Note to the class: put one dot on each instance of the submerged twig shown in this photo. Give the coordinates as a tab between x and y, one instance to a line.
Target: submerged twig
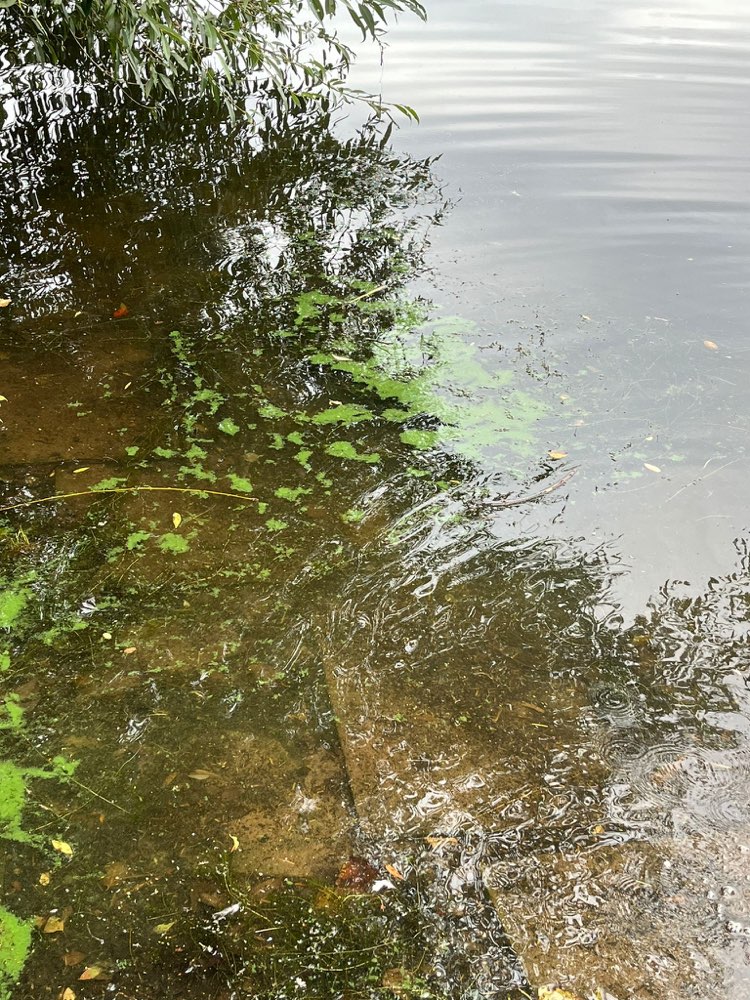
195	491
535	496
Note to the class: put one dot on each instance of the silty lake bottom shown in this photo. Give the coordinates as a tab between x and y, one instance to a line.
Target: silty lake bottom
390	636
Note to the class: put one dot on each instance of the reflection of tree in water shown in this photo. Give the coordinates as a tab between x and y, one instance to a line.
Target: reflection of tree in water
109	203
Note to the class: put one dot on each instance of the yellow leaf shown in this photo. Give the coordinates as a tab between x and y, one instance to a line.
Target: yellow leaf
235	844
163	928
4	303
556	455
54	925
91	972
44	878
63	847
650	467
128	650
67	994
3	399
440	841
176	519
84	468
710	345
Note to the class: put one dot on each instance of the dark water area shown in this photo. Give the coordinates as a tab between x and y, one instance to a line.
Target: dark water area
388	634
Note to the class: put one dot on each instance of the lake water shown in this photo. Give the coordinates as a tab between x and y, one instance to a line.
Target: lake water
374	564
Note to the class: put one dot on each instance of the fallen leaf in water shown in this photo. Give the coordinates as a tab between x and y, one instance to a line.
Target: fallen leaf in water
531	706
128	650
392	870
163	928
436	842
53	925
587	318
73	957
62	847
598	829
44	878
121	312
93	972
357	875
199	774
650	467
4	303
67	994
114	873
176	519
555	993
710	345
235	843
169	780
84	468
557	455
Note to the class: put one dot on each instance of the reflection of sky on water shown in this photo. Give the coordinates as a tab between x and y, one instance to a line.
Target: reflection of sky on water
602	154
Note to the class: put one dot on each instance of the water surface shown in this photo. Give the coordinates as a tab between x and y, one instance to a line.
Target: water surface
403	539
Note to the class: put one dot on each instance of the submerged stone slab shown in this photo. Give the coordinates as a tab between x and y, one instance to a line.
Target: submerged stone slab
476	740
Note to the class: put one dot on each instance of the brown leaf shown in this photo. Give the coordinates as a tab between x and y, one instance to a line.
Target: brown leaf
199	774
440	841
73	958
114	873
710	345
129	650
357	875
392	870
53	925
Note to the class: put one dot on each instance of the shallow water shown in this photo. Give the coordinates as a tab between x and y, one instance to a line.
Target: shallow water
332	598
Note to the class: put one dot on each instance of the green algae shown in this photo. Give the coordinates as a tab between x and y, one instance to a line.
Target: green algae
353	516
239	484
173	543
136	539
420	439
345	449
15	944
436	372
292	495
346	414
14	597
228	426
274	524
